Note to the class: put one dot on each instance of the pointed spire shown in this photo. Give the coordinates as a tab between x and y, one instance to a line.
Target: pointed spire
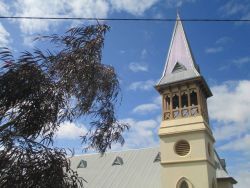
179	56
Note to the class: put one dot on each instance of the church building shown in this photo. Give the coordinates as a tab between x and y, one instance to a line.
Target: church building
186	157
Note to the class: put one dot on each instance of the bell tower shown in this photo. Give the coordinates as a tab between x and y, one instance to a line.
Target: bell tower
186	139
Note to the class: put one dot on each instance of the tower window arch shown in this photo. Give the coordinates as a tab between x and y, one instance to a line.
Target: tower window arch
184	184
193	98
184	100
167	102
175	101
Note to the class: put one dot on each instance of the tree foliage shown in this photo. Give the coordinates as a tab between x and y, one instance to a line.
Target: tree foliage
39	91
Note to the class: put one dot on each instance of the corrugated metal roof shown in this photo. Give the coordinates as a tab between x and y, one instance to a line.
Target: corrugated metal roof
137	171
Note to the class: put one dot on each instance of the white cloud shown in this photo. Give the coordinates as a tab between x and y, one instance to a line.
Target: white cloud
214	50
240	9
243	179
70	131
37	8
241	144
73	8
233	7
231	101
223	40
229	108
4	9
144	53
136	7
4	36
141	134
28	40
146	108
158	100
56	8
137	67
178	3
122	51
241	61
142	85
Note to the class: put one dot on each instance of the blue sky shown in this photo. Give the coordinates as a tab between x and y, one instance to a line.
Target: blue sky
138	52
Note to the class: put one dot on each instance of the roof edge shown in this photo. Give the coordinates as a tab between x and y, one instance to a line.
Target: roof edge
231	179
197	78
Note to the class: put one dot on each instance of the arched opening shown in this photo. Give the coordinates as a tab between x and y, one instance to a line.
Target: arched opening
193	98
184	184
184	100
175	101
167	102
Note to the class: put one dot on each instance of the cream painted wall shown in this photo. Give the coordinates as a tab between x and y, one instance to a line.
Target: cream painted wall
195	172
197	166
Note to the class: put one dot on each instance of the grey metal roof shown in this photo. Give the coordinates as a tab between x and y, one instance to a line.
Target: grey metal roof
179	53
176	77
138	170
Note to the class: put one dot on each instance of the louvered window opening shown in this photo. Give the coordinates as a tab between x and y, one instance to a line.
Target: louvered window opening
117	161
82	164
182	148
158	157
178	68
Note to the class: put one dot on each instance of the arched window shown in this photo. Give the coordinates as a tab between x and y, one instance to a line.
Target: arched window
193	98
184	100
167	102
184	184
175	101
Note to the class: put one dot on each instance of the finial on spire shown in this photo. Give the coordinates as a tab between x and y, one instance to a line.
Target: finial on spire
177	14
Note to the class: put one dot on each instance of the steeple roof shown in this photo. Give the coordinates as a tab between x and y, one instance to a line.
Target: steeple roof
180	64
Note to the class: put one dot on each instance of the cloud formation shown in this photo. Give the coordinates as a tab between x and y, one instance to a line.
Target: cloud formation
230	102
242	60
142	85
178	3
65	8
146	108
135	7
56	8
70	131
138	67
241	144
223	40
229	112
4	9
141	134
4	36
214	50
234	7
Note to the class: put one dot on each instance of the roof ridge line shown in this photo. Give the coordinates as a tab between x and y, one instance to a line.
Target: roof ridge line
116	151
